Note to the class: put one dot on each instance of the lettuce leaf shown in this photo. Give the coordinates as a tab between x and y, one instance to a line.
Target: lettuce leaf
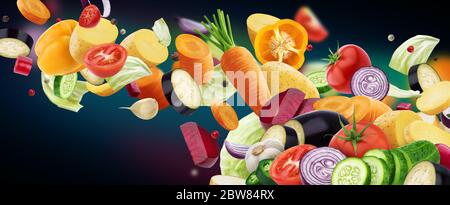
134	69
162	32
396	92
214	91
402	60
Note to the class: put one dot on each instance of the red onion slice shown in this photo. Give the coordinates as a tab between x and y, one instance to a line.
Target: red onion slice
85	3
317	165
371	82
235	150
190	26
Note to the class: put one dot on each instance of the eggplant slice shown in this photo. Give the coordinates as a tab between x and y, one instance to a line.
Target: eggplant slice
428	173
288	136
14	43
181	91
422	76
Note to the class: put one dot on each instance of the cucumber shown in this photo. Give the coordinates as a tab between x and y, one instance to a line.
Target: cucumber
319	79
63	86
351	171
419	151
252	179
262	172
386	156
379	171
401	167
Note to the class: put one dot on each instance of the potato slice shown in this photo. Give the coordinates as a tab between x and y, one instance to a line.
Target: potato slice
256	22
144	44
393	125
435	99
421	130
55	59
85	38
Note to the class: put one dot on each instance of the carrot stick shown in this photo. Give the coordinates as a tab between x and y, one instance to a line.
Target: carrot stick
225	115
151	87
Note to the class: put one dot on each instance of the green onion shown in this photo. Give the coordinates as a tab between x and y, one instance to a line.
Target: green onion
221	34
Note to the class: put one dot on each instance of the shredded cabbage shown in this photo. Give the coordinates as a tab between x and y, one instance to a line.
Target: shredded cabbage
214	91
134	69
72	103
248	133
162	32
396	92
402	60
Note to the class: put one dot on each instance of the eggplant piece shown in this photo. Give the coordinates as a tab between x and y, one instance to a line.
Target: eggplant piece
422	76
288	136
181	91
319	127
428	173
15	43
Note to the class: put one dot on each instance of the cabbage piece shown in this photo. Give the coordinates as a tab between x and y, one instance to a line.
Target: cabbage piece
248	133
396	92
134	69
162	32
72	103
215	91
402	60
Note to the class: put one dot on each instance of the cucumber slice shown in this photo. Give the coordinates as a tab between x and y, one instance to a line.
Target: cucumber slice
386	156
401	167
262	172
379	171
65	85
319	79
419	151
252	179
351	171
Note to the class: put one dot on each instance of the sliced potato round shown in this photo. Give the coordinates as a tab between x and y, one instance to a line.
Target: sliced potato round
144	44
256	22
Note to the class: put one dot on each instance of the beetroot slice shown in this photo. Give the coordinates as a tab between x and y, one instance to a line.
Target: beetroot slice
23	65
307	106
133	90
204	149
404	106
282	107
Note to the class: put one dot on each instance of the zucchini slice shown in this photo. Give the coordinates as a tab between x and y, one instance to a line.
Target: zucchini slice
14	43
422	76
181	91
428	173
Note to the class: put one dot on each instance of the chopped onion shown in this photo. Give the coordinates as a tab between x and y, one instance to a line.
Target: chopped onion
190	26
317	165
235	150
85	3
145	109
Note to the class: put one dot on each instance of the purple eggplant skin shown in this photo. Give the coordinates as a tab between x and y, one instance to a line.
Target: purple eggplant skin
171	96
17	34
442	175
320	126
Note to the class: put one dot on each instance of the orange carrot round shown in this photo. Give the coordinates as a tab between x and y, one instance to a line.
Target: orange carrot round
362	107
225	115
34	11
339	104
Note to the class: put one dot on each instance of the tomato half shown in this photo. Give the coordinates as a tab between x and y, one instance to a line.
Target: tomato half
105	60
90	16
285	168
343	64
316	31
372	138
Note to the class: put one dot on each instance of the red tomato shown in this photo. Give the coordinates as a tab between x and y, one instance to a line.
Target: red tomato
344	64
89	17
105	60
372	138
316	31
285	168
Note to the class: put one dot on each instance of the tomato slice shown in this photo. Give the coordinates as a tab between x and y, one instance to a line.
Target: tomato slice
105	60
285	169
90	16
316	31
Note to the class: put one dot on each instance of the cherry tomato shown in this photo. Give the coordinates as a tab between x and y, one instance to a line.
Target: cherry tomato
285	168
372	138
105	60
90	16
343	64
316	31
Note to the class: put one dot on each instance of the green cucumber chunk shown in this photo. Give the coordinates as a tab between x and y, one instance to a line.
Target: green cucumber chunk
401	167
386	156
319	79
262	172
65	85
252	179
419	151
351	171
379	171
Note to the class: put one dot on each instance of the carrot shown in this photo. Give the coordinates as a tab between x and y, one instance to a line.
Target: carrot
34	11
176	65
151	87
379	108
225	115
193	52
362	107
238	63
339	104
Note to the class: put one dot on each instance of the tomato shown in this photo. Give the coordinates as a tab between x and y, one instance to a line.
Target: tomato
316	31
343	64
285	168
105	60
90	16
372	138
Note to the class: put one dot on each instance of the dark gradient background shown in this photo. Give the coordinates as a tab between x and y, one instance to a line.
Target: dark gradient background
41	144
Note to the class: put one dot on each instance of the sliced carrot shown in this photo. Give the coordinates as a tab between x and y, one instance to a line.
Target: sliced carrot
382	108
251	85
362	107
225	115
194	52
151	87
34	10
340	104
